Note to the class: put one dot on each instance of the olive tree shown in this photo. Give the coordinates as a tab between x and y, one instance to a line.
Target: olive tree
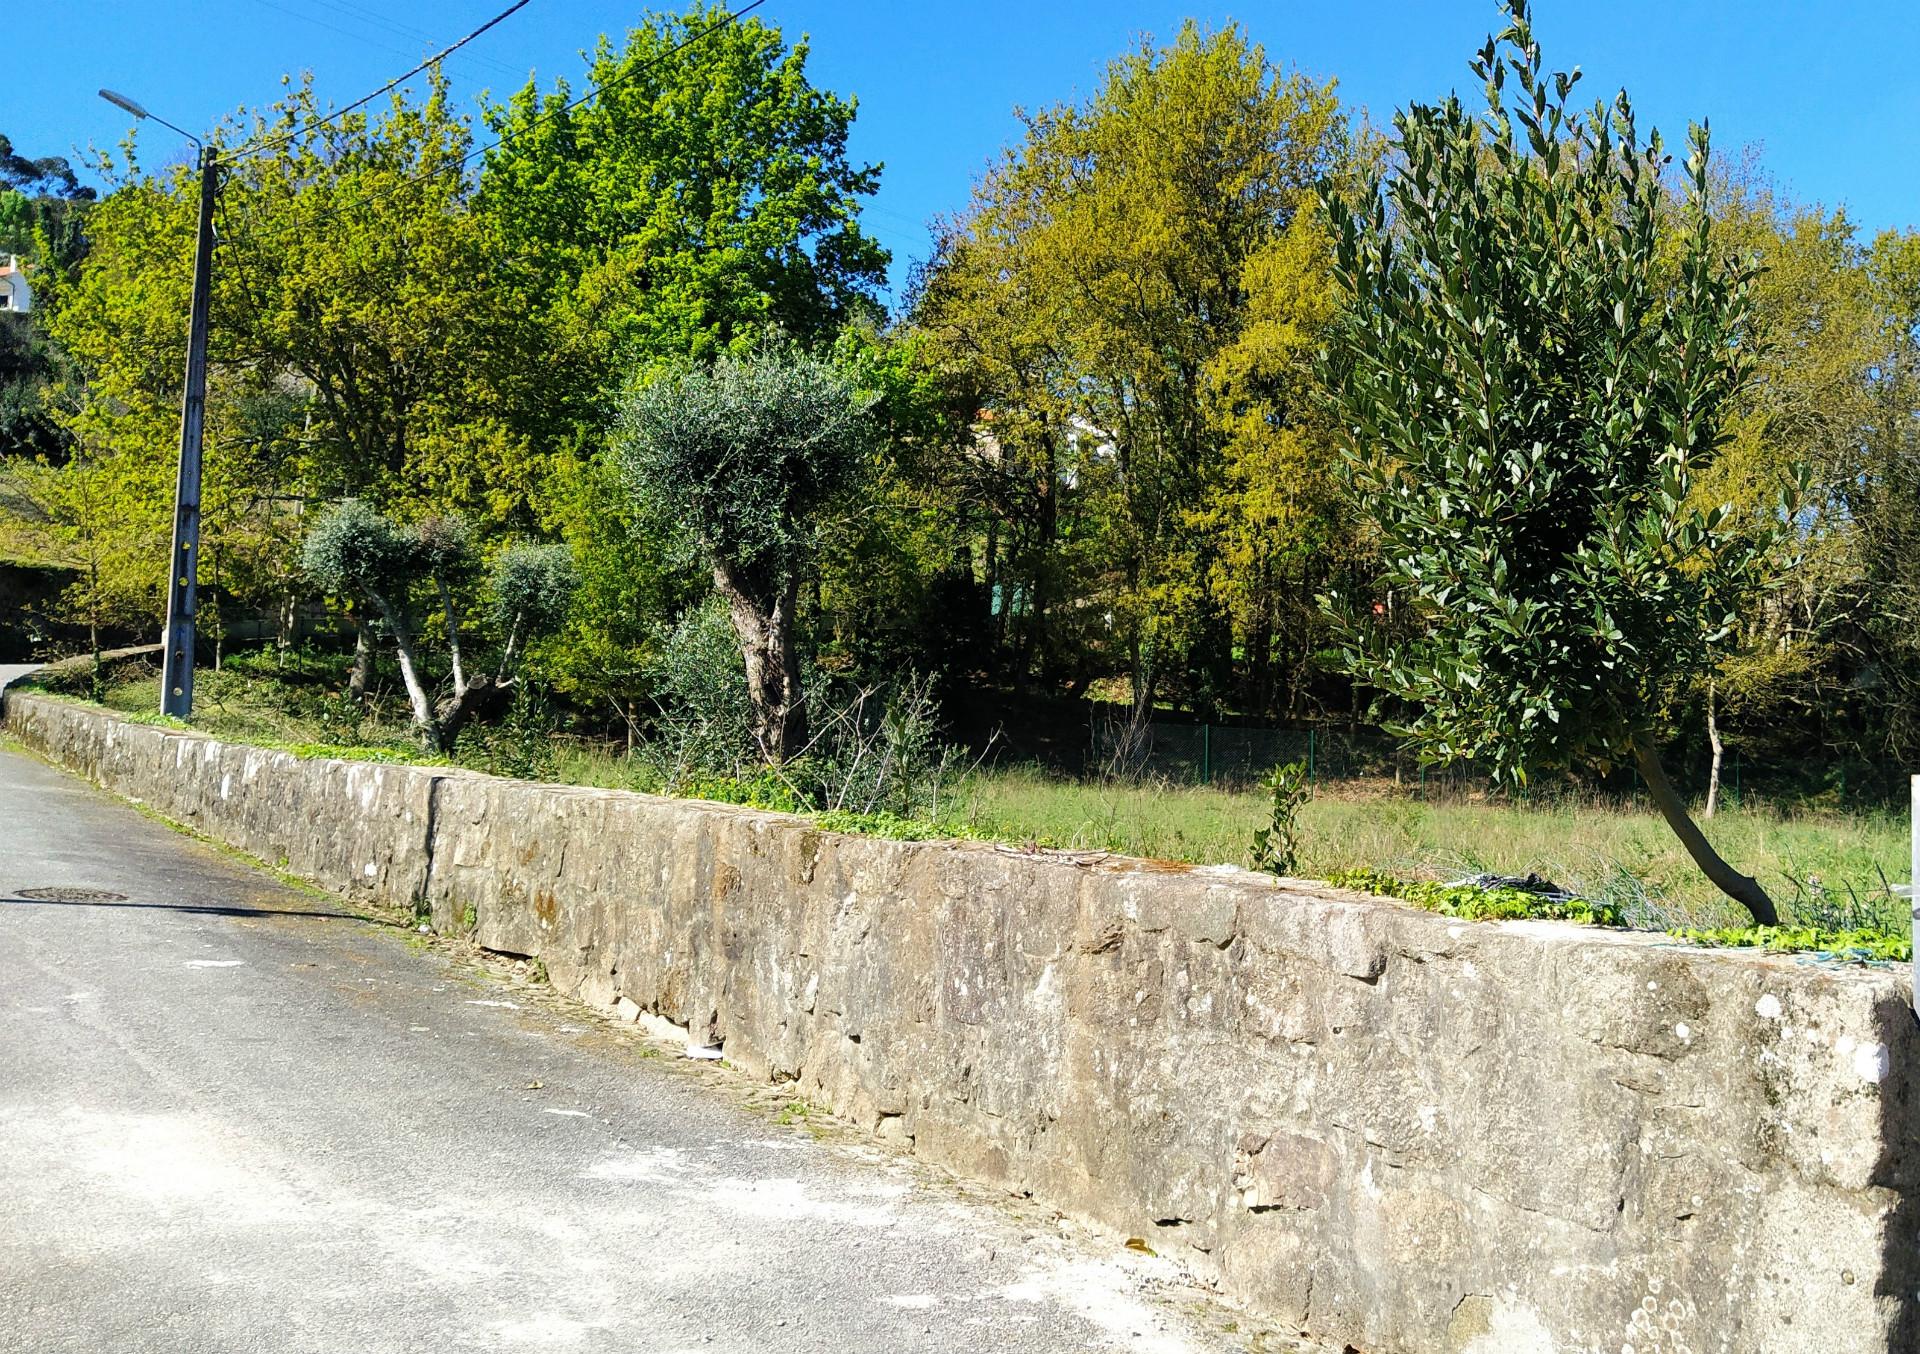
360	552
748	457
1536	368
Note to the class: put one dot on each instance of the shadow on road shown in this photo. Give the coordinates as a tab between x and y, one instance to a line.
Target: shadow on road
205	910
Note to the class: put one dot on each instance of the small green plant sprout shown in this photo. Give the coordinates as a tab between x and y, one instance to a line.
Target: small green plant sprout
1276	847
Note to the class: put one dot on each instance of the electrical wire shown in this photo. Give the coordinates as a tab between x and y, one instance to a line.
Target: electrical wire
620	79
380	43
298	132
354	13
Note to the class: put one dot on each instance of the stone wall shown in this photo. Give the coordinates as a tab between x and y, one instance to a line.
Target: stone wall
1383	1127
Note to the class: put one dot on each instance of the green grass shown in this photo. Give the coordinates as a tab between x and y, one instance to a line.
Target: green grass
1826	870
246	701
1621	857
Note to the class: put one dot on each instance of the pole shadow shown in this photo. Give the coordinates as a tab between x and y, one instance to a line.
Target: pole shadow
196	909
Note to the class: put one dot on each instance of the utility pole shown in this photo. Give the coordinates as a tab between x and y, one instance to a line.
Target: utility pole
183	565
176	671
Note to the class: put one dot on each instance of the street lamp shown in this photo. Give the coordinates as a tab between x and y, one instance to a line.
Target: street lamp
176	668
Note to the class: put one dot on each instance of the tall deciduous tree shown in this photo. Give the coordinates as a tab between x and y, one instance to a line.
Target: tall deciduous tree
1790	670
1888	490
748	457
701	196
42	208
1094	290
356	272
366	338
1530	393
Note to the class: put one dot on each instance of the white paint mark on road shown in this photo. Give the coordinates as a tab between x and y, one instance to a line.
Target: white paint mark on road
546	1328
215	963
509	1005
571	1114
654	1166
168	1161
788	1200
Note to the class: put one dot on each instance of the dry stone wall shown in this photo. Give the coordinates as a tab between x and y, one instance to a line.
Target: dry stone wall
1386	1128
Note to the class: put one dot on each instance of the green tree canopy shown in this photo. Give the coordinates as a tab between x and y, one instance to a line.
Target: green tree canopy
1092	294
356	271
1530	392
700	197
358	551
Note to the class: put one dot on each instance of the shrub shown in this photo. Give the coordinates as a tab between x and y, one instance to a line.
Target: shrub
1276	847
1474	903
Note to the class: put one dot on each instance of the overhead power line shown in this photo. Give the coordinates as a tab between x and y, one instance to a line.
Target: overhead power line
622	78
275	143
353	13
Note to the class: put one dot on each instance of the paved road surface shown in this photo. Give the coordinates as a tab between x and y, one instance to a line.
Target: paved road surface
233	1119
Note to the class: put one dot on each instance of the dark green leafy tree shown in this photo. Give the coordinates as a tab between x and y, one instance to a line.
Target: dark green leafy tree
1885	498
750	457
357	551
42	206
1533	379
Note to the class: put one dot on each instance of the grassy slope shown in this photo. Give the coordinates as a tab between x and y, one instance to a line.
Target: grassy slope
1622	856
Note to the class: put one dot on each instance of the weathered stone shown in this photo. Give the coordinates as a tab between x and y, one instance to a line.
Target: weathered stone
359	827
1391	1129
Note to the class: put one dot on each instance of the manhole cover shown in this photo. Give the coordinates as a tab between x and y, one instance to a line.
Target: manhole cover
58	895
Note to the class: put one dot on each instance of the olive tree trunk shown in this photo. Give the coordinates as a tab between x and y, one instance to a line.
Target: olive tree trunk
764	626
425	724
1743	889
362	674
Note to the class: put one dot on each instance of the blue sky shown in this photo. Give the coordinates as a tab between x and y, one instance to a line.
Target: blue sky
1830	93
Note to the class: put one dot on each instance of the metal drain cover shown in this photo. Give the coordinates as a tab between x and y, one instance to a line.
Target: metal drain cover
60	895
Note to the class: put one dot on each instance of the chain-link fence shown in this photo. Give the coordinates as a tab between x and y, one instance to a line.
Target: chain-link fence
1234	756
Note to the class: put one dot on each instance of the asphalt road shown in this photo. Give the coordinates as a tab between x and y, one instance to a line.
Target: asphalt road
233	1118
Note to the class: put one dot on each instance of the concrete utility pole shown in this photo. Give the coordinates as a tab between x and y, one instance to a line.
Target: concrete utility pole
176	674
183	571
